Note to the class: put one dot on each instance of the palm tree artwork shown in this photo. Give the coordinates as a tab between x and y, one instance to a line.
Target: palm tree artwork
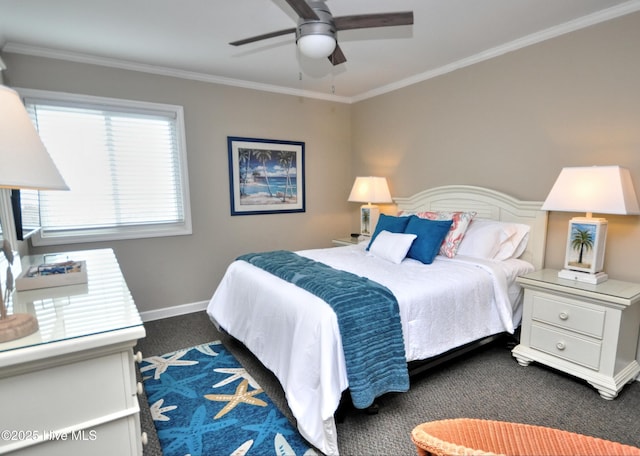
244	157
267	176
263	157
366	219
287	160
582	241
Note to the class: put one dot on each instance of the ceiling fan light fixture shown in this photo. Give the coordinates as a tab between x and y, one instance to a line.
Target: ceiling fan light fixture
317	46
317	30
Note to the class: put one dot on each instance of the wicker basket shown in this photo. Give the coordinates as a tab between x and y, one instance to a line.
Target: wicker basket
475	437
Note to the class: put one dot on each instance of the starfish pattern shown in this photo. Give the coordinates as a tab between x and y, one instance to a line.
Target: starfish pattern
243	449
223	358
240	396
184	416
282	447
207	349
168	384
236	373
161	364
157	410
192	435
270	424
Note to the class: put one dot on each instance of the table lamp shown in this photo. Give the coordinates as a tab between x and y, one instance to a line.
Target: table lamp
369	190
24	163
590	189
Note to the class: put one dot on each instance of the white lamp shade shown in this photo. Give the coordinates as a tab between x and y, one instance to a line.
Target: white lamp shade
24	161
370	190
316	46
593	189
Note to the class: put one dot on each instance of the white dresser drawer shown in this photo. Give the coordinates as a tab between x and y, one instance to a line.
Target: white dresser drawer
110	439
69	395
568	313
563	344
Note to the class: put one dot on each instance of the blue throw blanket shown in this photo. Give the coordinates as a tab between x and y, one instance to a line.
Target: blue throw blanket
368	319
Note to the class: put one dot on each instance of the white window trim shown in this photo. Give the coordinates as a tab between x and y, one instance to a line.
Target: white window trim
50	237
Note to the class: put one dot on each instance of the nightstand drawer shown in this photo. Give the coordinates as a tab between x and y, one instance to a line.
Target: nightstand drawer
564	345
565	313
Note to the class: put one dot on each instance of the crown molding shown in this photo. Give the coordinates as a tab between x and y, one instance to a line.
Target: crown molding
534	38
37	51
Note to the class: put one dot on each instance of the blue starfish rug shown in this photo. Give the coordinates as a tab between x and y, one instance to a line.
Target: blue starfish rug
204	403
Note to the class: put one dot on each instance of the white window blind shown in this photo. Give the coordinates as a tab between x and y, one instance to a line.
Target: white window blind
125	164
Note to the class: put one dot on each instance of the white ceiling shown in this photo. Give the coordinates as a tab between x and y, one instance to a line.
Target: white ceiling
189	38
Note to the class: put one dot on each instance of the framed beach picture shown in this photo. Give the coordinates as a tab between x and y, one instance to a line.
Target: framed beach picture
265	176
585	244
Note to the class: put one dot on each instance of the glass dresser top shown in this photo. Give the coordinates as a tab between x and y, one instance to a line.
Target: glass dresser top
103	304
611	287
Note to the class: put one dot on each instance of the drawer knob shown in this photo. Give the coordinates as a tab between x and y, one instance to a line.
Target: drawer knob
144	438
560	345
138	357
563	316
139	388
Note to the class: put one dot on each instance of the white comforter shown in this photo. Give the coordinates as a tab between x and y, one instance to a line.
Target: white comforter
295	334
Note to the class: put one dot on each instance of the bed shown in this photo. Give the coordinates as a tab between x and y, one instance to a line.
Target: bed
457	301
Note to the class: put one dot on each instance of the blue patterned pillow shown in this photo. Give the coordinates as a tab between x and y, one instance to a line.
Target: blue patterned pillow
389	223
430	234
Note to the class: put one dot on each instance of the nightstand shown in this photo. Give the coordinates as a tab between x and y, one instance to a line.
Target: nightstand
346	241
589	331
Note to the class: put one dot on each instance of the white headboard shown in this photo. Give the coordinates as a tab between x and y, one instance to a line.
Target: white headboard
489	204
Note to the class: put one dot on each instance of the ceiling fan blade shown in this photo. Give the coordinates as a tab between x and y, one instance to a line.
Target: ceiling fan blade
302	9
263	37
337	57
359	21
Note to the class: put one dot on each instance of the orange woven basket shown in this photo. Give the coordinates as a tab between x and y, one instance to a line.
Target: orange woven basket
465	436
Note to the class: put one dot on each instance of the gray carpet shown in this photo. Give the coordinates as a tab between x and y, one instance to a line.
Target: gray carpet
487	384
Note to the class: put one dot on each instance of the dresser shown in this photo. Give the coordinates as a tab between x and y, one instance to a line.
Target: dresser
586	330
70	388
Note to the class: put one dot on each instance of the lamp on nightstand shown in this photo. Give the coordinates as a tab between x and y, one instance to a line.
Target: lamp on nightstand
590	189
24	163
369	190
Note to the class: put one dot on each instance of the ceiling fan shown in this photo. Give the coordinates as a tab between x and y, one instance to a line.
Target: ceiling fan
316	33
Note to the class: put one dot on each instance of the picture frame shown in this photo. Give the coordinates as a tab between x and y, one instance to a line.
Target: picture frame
586	244
266	176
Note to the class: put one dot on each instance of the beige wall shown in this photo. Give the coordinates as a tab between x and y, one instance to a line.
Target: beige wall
165	272
511	123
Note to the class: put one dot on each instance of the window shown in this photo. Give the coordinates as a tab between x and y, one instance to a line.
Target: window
124	161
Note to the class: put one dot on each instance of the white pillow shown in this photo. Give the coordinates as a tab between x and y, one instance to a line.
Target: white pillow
516	244
482	239
493	240
392	246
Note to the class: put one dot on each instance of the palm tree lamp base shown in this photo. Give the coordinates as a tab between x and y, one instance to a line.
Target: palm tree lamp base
585	277
584	259
369	215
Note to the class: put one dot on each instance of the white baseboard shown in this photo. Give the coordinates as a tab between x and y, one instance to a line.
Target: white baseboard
174	311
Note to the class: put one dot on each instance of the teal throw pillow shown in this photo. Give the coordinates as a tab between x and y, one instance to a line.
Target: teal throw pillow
389	223
430	234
